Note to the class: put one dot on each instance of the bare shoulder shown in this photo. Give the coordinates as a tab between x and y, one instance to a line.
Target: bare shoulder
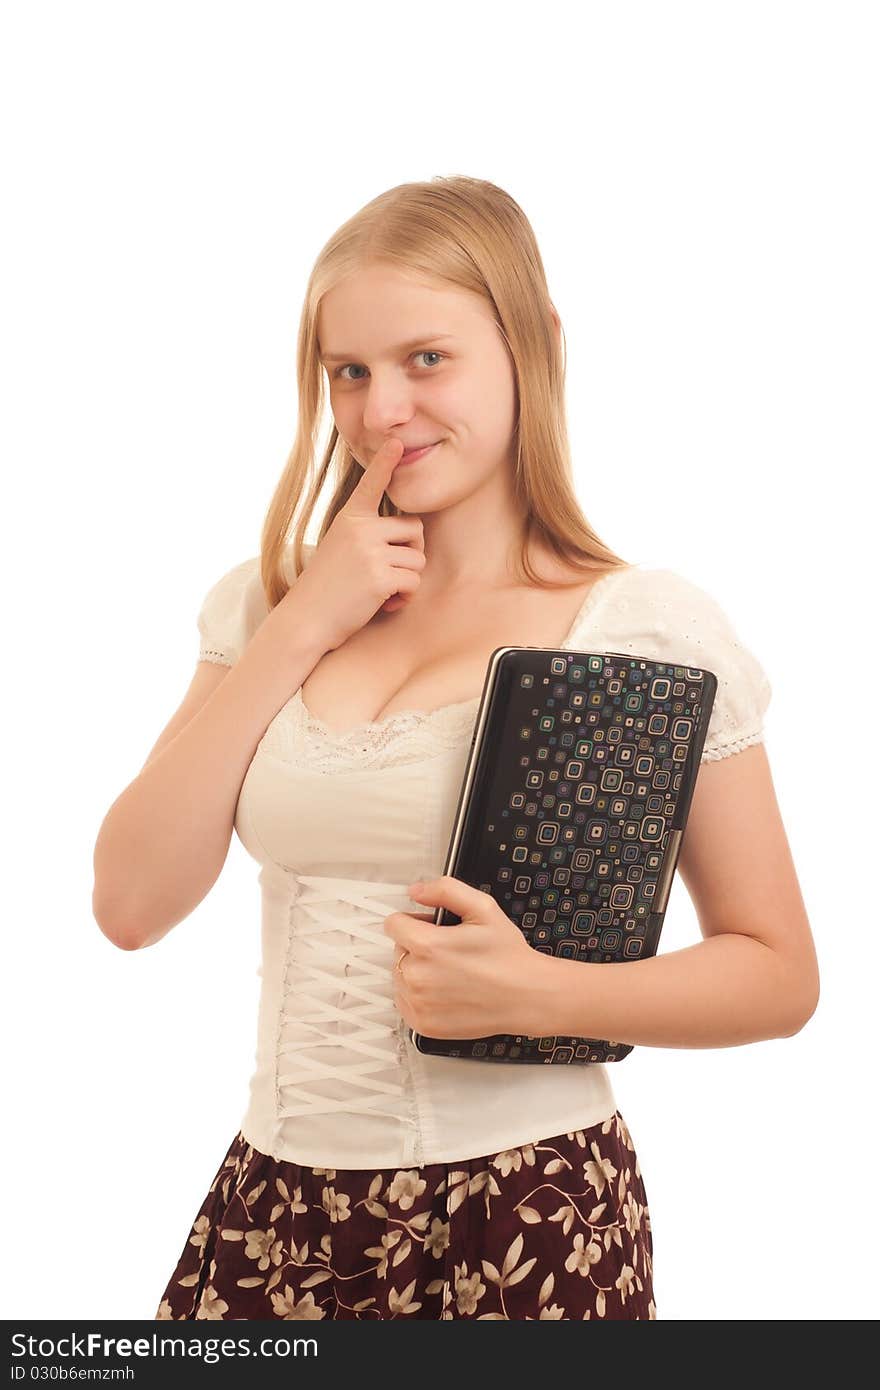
552	569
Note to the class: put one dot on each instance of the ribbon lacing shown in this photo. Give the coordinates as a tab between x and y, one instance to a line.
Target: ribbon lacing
355	969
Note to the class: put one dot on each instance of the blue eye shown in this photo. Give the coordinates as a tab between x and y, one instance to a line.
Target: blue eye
426	352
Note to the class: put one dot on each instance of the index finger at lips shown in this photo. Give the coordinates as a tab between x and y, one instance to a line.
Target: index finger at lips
376	477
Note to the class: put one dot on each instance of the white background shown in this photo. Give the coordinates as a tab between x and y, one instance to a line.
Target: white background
702	182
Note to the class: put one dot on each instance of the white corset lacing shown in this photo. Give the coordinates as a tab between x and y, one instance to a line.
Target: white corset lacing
338	956
339	1082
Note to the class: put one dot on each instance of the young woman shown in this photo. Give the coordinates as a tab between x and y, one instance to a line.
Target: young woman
329	721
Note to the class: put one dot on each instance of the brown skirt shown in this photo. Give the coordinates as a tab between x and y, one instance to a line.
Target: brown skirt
556	1228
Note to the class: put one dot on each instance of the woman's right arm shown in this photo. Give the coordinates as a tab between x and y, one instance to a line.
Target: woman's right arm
164	840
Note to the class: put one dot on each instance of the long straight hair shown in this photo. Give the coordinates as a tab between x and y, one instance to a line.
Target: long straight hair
473	236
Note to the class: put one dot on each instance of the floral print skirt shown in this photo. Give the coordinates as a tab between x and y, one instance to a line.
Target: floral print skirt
556	1228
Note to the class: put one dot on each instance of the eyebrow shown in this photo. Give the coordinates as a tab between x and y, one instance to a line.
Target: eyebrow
401	347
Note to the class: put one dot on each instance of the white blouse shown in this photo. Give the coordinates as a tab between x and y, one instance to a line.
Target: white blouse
341	824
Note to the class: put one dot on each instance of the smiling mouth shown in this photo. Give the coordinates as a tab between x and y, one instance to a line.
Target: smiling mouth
409	454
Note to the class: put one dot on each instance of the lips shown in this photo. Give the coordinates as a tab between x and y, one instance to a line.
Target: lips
417	451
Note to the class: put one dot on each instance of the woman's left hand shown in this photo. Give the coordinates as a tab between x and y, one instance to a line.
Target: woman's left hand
467	979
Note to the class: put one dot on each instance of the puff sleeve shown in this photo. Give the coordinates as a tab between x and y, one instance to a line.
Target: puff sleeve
231	611
661	614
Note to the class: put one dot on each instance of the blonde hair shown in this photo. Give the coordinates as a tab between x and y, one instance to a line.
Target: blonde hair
470	234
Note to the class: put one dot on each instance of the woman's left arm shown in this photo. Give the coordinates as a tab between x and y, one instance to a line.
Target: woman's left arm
754	976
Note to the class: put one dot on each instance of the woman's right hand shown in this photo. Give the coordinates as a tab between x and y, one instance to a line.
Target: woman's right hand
365	561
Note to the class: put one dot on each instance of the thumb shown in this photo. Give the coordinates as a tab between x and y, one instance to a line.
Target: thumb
376	476
454	893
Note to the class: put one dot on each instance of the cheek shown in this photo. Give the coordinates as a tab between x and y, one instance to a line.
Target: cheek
487	407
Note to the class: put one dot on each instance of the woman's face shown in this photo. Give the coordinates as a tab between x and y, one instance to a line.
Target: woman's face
418	361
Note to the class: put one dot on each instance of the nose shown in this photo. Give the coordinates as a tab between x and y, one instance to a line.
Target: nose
388	404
